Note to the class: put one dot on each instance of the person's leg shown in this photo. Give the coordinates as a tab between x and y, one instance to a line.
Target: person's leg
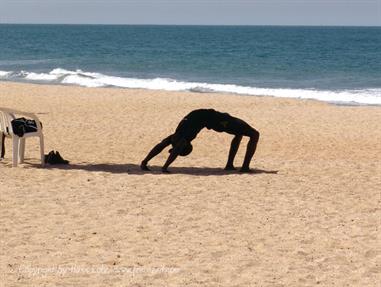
232	152
155	151
251	147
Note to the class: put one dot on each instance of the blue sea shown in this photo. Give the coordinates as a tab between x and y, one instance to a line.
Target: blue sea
334	64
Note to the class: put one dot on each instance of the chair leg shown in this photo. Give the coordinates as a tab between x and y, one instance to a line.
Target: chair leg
15	150
22	150
2	145
42	150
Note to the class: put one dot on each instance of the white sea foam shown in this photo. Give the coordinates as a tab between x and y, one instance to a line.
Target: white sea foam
39	76
4	74
61	72
82	81
88	79
365	96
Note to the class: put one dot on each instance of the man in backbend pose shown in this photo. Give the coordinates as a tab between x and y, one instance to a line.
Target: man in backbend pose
193	123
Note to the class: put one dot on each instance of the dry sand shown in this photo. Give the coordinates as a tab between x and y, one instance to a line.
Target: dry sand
102	222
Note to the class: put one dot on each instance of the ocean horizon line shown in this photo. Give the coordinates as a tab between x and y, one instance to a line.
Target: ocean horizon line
195	25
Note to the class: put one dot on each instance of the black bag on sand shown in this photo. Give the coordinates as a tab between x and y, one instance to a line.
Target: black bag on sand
21	126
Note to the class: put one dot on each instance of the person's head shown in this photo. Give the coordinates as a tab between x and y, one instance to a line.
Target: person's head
184	147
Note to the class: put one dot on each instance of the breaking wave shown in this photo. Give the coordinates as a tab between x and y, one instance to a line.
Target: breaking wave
89	79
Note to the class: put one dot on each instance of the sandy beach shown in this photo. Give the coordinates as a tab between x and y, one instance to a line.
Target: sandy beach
309	215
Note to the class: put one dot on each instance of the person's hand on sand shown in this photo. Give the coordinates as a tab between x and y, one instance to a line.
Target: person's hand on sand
229	167
144	166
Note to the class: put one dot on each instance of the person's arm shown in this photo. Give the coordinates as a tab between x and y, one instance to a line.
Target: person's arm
155	151
173	155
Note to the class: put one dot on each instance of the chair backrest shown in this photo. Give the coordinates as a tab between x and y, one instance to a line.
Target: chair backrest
6	117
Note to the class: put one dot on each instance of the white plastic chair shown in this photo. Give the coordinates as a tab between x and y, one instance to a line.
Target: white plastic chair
6	117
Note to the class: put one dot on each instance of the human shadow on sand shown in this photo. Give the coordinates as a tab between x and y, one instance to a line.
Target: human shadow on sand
155	170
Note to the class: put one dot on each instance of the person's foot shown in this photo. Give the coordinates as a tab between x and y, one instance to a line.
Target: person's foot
144	166
164	170
229	167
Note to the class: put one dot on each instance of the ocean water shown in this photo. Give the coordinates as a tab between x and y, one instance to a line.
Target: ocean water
334	64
